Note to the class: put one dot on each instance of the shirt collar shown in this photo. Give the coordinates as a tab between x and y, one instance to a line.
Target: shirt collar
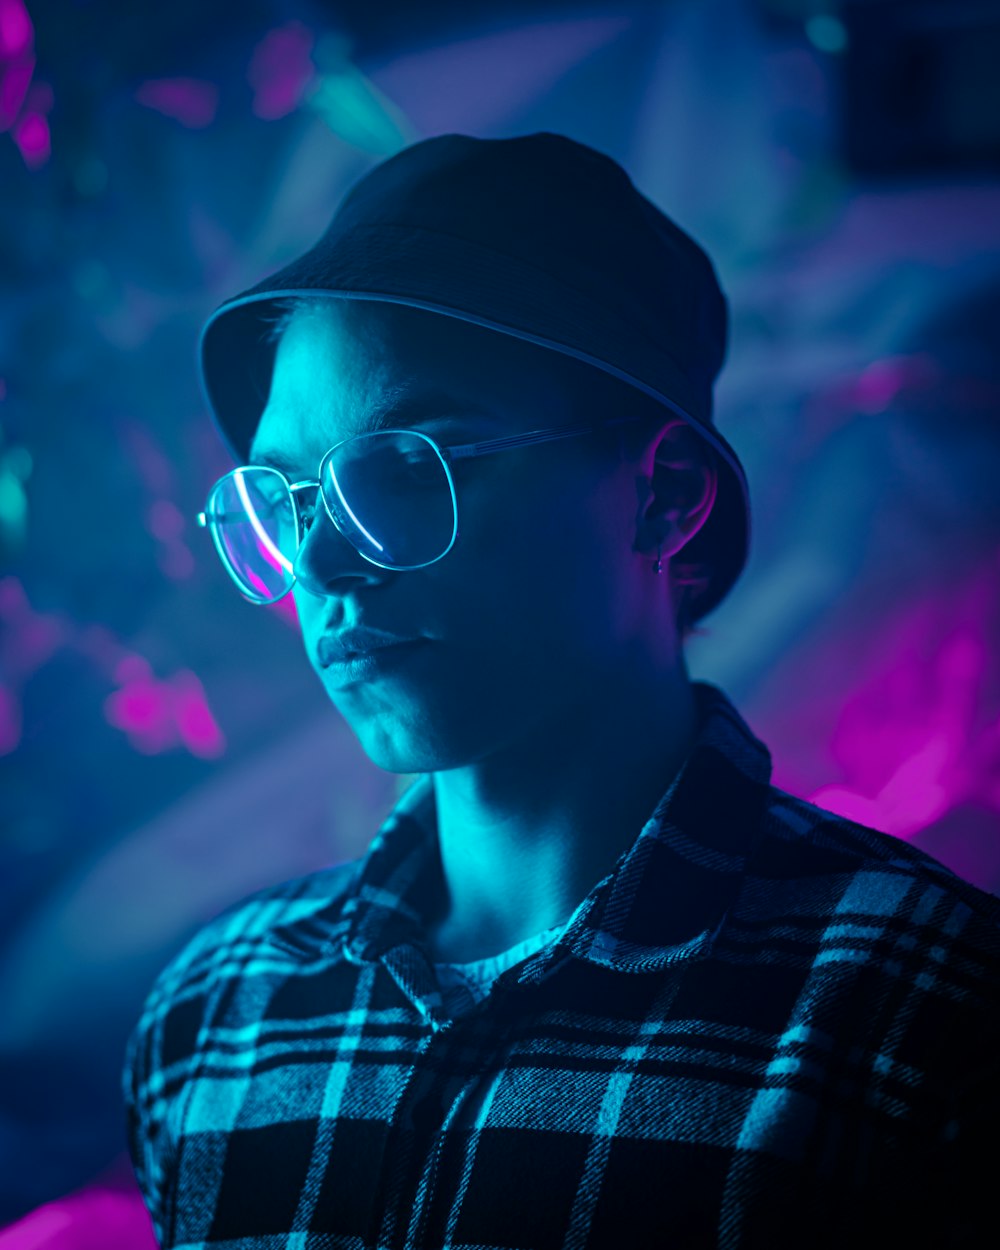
662	902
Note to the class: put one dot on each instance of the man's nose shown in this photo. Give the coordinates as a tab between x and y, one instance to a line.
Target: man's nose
325	557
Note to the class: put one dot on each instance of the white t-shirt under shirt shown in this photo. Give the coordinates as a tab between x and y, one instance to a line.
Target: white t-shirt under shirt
464	985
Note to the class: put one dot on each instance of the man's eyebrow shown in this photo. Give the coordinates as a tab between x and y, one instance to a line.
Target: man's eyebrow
405	411
422	408
272	460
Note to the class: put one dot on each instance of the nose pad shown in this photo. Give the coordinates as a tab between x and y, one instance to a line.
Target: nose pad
325	555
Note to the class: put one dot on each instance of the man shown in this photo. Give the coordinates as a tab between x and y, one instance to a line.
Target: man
595	983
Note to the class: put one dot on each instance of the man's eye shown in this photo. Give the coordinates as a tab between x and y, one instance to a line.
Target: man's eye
280	514
422	469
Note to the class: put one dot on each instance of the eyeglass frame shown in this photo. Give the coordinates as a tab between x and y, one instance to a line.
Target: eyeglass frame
447	453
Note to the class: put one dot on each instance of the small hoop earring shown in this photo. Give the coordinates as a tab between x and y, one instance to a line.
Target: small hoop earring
658	565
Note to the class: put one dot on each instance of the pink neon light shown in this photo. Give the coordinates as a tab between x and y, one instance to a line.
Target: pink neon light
280	70
22	105
256	582
265	544
132	668
16	31
40	97
195	723
274	558
913	798
142	709
884	380
33	637
15	79
190	101
43	1227
917	740
91	1219
31	134
165	520
160	715
286	609
10	721
879	384
156	715
176	562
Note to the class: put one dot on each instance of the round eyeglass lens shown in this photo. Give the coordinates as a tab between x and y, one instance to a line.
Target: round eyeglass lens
391	494
253	522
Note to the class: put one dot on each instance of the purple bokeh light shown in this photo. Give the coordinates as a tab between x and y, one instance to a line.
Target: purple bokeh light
155	715
23	104
31	134
916	739
92	1219
190	101
14	84
281	70
158	715
16	31
10	721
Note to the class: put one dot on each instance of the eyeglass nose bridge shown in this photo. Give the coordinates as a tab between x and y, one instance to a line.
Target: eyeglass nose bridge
306	510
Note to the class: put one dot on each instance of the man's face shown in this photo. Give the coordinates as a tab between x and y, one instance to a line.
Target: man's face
541	600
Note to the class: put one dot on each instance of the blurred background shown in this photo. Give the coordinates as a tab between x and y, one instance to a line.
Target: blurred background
164	747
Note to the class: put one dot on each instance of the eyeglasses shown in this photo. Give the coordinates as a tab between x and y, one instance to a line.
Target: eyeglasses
390	493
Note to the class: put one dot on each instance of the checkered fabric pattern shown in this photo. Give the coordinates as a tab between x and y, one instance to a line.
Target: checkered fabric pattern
767	1026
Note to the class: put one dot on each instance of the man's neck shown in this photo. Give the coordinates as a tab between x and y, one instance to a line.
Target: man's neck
527	832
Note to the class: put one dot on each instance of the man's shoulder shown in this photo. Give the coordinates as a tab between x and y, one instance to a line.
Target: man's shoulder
238	939
879	876
166	1040
256	916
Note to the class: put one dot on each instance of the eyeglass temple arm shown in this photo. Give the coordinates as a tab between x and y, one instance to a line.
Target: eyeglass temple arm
466	450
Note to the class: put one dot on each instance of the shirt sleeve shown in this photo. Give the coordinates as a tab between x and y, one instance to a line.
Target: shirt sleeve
957	1179
144	1126
161	1049
970	1151
158	1054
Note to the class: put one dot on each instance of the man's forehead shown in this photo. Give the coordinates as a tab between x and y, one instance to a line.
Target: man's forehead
343	372
292	435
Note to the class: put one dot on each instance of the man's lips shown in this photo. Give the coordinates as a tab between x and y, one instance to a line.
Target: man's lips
361	667
356	644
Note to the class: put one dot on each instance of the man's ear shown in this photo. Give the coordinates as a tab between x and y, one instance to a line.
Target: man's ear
681	494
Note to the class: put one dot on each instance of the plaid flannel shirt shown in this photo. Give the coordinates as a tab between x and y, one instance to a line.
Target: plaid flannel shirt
767	1026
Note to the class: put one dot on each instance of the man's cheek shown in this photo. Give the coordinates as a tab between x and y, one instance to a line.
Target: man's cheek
309	627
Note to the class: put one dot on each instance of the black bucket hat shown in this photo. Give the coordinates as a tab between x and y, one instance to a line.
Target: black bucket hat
539	237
